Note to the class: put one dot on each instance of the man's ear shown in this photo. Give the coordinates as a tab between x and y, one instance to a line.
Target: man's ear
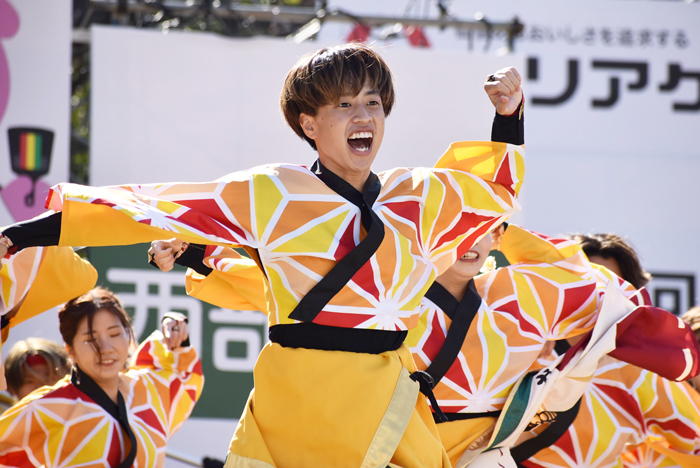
497	235
308	125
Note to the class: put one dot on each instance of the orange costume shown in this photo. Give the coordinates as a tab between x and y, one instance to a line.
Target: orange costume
36	280
74	423
550	291
625	405
344	274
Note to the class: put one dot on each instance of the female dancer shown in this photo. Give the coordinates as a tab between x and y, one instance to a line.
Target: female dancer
347	256
106	413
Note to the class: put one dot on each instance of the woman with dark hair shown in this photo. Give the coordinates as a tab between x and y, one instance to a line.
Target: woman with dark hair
111	410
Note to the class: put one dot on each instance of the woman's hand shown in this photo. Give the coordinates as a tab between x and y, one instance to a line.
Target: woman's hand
164	252
505	90
174	328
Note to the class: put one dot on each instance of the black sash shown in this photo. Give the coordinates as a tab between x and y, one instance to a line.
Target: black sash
556	428
463	416
326	338
462	314
117	410
316	299
548	437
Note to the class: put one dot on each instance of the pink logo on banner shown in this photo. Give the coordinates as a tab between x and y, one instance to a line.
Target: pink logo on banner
9	25
15	194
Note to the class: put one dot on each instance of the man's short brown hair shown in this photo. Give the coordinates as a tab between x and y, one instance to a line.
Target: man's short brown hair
324	76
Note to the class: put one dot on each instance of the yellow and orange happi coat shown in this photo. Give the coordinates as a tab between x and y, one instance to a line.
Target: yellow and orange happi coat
36	280
550	291
39	278
623	406
64	426
299	227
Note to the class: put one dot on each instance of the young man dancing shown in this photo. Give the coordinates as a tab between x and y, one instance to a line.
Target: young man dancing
347	256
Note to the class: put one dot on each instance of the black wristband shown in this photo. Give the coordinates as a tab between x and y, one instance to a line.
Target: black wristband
511	128
38	232
193	257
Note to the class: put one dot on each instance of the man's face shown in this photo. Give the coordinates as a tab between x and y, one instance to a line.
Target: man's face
348	134
468	265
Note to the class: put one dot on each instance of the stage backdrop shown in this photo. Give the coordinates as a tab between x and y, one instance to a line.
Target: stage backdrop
194	107
35	58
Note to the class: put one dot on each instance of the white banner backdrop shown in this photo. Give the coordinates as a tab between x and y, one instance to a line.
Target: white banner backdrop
197	106
35	58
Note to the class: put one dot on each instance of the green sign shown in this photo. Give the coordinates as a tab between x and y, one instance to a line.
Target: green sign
228	342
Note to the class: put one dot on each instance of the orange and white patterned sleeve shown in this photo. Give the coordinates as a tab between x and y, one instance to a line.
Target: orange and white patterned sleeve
216	212
235	282
581	284
521	245
470	190
37	279
23	444
173	378
671	411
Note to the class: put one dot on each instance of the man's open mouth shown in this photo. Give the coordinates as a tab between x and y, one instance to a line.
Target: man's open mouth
470	255
361	141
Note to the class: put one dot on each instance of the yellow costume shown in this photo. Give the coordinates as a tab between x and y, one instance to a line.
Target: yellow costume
74	423
549	292
36	280
344	275
626	406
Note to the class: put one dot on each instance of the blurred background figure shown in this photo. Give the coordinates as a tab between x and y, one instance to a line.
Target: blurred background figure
33	363
616	254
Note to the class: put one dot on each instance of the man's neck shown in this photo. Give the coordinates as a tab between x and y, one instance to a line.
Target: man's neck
456	288
355	178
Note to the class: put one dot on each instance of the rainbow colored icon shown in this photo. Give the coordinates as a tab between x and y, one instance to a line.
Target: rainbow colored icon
30	154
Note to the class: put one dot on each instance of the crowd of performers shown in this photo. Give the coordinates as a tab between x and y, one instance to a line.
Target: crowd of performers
393	341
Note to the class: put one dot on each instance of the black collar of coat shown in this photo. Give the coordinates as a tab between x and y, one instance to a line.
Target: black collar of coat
442	298
117	410
363	200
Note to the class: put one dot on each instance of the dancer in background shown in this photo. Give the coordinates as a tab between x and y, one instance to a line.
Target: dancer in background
623	405
38	279
106	413
656	451
34	363
347	256
479	335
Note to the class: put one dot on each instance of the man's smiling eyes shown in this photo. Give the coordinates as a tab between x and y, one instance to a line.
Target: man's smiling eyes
370	103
